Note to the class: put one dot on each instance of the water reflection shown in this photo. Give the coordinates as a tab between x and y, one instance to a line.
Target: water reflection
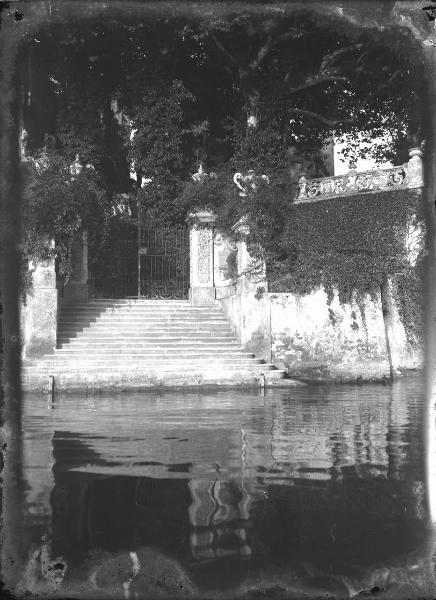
312	490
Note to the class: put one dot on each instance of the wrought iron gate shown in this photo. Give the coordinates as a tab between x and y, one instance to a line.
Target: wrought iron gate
163	263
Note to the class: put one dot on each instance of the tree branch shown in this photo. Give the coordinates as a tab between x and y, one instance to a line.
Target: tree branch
320	118
274	41
324	75
263	52
394	76
224	50
330	58
320	79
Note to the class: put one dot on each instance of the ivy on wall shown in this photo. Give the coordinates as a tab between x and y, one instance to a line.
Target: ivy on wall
349	244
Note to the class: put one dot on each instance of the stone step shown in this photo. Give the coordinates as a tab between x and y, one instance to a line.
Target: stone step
83	342
124	346
167	353
145	331
141	361
105	318
130	322
157	304
153	341
155	310
146	368
108	343
135	316
133	299
77	382
143	306
210	321
152	325
80	340
141	346
126	357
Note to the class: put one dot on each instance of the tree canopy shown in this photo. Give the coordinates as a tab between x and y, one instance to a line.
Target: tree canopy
145	101
296	77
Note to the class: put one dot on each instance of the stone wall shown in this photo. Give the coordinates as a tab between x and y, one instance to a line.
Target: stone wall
250	317
317	340
39	310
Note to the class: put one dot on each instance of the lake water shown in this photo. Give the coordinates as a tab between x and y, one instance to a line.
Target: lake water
310	490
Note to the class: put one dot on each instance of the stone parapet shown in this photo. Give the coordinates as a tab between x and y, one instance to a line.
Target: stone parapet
409	175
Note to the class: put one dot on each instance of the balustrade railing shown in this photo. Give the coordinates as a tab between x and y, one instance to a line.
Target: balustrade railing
351	183
408	175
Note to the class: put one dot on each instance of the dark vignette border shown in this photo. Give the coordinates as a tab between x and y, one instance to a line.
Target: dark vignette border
20	19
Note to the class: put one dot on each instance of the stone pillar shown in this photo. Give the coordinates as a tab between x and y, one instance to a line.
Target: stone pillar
251	274
76	290
39	312
224	280
202	285
415	175
254	326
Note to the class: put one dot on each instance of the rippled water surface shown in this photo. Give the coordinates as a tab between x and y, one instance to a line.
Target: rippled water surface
308	490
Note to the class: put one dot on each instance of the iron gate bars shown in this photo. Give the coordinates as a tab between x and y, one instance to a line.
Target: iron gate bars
163	263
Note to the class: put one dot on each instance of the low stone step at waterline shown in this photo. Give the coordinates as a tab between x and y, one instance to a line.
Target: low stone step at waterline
108	344
133	365
79	383
149	368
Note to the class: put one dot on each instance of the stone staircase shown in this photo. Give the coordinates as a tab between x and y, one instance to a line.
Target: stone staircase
135	344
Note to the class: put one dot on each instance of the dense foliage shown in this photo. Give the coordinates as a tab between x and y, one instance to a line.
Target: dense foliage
57	207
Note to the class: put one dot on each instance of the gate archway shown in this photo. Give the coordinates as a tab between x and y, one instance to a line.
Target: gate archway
163	263
140	262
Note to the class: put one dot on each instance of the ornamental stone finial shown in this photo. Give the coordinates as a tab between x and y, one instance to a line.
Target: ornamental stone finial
249	181
201	174
76	167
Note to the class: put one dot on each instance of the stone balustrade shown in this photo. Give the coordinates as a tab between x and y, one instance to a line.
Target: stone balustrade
408	175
